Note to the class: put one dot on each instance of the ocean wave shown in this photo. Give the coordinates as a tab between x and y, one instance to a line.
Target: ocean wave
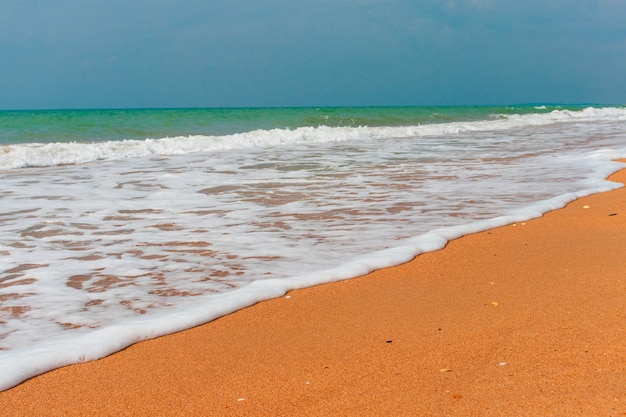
62	153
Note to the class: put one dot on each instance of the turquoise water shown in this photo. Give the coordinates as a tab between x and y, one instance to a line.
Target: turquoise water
47	126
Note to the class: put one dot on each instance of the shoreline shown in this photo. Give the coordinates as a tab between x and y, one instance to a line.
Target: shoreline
525	319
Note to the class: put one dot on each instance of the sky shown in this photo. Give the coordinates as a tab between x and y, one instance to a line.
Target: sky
268	53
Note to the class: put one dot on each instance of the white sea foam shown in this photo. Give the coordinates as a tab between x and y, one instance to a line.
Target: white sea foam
107	244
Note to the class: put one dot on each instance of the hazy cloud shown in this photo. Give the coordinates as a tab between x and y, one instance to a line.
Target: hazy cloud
116	53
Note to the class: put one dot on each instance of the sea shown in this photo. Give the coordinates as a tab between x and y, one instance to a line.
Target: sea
118	226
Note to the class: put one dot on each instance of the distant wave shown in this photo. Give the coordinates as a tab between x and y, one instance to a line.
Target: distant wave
53	154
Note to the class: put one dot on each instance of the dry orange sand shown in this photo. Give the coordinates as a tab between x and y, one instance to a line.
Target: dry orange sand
524	320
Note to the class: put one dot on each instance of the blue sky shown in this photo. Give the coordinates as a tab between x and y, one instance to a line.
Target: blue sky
210	53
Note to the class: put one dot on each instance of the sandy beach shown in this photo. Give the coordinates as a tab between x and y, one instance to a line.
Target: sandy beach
523	320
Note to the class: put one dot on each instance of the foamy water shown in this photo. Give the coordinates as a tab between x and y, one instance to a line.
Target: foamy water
105	244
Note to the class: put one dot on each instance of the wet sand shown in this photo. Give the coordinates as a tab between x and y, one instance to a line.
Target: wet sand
523	320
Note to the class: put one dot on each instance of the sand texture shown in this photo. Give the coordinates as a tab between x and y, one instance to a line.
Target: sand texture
523	320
